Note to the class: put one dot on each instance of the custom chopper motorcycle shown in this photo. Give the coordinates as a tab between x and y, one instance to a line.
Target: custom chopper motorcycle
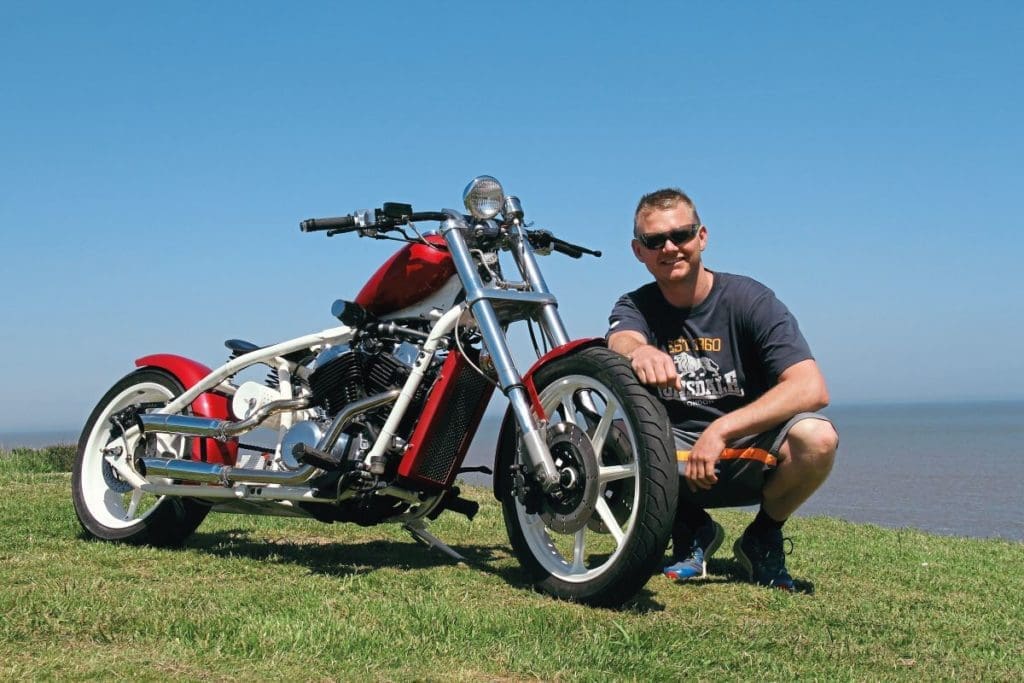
373	418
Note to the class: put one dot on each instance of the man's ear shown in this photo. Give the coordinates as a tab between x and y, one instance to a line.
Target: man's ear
636	249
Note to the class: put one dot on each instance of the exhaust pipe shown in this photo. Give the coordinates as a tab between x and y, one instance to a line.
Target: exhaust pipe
217	429
190	470
181	424
350	411
225	475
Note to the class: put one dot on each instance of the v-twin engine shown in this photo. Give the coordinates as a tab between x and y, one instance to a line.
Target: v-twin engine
343	375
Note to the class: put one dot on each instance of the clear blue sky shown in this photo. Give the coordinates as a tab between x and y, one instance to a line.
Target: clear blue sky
862	159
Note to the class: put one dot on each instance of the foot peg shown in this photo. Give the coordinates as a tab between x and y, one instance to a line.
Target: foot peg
483	469
315	457
463	507
454	502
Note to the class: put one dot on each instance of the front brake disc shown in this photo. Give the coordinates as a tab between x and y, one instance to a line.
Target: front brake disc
570	507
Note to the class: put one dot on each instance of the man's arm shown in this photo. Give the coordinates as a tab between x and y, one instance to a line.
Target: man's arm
801	388
651	365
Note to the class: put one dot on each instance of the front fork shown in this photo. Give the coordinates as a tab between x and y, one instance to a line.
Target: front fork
480	299
543	465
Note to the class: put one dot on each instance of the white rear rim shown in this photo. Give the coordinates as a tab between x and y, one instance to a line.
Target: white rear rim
111	501
594	549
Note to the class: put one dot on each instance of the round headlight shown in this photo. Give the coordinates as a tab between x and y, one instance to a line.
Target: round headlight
483	197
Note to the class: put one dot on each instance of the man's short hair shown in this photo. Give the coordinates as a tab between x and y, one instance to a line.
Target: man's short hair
662	200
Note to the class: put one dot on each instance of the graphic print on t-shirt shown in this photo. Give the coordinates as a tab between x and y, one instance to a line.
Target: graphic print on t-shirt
701	378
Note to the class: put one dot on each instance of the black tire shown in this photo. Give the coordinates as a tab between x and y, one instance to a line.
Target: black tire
102	500
583	565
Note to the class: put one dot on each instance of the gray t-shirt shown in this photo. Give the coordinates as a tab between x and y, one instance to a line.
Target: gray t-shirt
729	350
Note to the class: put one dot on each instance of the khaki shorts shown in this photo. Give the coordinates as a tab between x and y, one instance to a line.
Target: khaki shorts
745	466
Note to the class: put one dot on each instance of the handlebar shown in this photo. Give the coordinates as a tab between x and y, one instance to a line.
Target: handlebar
336	223
380	219
567	249
544	239
394	215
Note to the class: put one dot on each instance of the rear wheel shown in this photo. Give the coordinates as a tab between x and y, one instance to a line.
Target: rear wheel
597	538
108	507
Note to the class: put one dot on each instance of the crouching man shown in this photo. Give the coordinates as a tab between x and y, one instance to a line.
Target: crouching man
739	384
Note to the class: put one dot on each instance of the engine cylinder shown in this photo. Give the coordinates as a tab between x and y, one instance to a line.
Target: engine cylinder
337	382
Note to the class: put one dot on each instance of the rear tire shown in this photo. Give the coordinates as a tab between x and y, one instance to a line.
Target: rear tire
608	558
109	508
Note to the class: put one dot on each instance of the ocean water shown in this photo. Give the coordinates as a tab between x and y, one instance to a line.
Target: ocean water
52	437
949	468
952	469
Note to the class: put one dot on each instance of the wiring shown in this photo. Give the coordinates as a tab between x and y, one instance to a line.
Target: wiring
479	370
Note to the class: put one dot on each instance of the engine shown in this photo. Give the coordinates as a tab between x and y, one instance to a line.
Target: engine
343	375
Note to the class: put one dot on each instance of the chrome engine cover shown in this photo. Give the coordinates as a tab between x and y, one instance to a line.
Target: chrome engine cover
308	433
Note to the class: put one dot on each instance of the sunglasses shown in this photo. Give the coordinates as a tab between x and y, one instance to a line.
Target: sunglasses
679	236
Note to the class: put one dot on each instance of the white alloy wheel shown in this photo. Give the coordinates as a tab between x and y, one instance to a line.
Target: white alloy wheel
109	507
598	537
593	549
111	501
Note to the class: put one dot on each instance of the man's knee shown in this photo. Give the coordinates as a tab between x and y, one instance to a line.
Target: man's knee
812	443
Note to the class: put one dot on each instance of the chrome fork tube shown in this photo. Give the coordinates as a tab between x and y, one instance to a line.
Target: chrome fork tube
526	260
551	320
494	337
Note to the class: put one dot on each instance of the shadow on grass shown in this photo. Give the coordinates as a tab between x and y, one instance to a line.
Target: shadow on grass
363	557
731	571
342	559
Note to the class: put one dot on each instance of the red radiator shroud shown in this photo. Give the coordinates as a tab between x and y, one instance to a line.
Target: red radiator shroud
449	421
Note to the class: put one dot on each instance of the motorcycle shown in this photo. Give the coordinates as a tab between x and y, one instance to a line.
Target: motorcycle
373	418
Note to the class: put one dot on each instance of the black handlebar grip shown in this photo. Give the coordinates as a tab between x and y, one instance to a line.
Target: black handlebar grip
567	249
335	223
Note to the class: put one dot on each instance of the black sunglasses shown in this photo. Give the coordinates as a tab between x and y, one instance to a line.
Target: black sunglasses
679	236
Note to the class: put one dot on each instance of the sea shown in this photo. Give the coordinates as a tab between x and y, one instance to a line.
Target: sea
948	468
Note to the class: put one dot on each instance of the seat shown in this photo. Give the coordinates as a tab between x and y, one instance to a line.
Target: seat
240	347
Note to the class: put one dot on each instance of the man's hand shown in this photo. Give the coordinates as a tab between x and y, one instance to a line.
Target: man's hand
705	454
654	367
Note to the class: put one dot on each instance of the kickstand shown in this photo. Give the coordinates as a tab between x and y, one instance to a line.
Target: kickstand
419	531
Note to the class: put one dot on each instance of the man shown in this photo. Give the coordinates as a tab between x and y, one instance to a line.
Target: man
739	384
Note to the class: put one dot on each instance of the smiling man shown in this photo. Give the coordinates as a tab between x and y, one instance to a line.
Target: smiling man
739	384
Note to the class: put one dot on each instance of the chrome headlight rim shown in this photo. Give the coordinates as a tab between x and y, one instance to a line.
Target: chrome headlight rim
483	197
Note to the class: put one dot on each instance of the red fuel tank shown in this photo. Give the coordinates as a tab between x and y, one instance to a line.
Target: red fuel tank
412	274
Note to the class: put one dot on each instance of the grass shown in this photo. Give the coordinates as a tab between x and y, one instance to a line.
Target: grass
294	599
57	458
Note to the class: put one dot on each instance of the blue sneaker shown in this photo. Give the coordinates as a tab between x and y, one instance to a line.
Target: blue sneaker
764	559
704	544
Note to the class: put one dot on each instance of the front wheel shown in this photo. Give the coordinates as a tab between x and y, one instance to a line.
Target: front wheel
598	538
108	507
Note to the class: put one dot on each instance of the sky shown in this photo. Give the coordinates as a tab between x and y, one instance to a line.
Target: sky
864	160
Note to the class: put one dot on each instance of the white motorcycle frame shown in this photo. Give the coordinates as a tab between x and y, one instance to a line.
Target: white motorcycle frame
484	308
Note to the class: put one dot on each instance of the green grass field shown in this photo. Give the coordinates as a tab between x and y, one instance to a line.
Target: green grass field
277	599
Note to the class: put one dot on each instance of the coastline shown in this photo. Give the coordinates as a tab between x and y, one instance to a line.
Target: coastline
18	438
899	465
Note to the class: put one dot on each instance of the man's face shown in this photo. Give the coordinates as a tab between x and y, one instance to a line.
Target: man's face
671	263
